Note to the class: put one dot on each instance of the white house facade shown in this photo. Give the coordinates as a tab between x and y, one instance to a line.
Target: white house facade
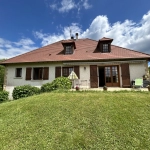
96	63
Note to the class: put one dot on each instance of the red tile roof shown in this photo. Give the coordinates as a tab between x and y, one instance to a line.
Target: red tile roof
85	51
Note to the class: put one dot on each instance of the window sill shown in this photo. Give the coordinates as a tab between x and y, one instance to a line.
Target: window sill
17	77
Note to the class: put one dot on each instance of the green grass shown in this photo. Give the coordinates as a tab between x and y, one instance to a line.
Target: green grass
77	120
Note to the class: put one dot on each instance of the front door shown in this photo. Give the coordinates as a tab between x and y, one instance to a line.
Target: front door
112	76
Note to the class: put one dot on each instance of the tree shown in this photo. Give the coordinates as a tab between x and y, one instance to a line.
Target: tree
2	73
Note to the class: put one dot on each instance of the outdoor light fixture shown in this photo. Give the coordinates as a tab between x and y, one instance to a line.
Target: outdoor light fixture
84	68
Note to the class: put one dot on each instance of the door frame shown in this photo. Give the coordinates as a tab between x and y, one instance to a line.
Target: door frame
111	84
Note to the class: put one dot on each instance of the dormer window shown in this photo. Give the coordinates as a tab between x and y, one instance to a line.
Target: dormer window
69	50
69	46
105	48
104	45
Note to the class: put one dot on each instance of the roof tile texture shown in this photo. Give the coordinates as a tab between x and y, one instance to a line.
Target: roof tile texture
85	50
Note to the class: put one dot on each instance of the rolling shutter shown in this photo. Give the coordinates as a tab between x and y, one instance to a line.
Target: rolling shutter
45	73
93	76
76	70
28	73
125	75
57	72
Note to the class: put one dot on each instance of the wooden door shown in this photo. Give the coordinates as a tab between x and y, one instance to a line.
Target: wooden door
112	76
93	76
125	75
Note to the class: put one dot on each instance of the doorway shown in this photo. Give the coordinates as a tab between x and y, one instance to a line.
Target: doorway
101	76
109	76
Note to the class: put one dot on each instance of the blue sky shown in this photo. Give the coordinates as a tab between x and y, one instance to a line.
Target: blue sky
28	24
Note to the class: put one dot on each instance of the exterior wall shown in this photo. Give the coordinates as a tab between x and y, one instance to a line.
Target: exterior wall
137	70
84	81
18	81
11	81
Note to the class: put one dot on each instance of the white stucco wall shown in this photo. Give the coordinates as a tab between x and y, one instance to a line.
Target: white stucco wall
84	81
137	70
11	81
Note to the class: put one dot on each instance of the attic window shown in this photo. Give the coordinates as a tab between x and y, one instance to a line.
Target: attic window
105	48
69	50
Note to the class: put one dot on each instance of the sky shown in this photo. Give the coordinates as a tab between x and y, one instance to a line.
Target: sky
26	25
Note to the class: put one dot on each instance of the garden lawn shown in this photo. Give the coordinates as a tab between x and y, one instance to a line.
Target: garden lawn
77	120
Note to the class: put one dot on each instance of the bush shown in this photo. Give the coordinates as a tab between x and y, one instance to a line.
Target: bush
59	83
3	96
24	91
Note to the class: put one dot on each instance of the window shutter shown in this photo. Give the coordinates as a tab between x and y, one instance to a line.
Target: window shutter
45	73
57	72
93	76
76	70
125	75
28	73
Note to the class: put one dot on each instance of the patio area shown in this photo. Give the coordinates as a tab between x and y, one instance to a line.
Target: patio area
112	89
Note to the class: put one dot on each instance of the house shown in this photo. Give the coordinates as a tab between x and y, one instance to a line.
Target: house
96	63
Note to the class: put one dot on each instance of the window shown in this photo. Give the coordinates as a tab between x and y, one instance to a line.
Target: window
105	48
111	74
41	73
18	72
66	71
108	74
37	73
69	50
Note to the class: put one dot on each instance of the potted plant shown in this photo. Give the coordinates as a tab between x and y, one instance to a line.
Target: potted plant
77	88
105	88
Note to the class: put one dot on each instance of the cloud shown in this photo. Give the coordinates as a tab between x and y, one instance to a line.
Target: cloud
129	34
86	5
67	5
51	38
10	49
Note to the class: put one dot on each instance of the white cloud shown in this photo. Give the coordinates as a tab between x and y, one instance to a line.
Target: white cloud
51	38
86	5
127	34
67	5
10	49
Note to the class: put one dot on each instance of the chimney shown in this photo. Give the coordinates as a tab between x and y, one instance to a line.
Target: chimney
76	36
72	37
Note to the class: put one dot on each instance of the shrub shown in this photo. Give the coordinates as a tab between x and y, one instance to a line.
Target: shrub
3	96
59	83
24	91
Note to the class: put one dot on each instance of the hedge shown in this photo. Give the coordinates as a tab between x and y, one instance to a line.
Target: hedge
24	91
59	83
3	96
